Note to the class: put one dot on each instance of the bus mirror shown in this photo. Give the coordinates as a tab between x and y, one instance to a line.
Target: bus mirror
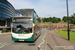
33	24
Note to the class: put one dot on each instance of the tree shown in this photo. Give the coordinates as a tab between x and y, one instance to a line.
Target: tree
72	19
59	19
39	19
55	20
65	18
50	19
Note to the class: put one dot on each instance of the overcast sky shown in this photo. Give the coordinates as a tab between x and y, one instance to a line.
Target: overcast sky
46	8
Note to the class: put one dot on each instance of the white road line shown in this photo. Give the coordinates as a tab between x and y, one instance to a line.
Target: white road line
42	41
3	44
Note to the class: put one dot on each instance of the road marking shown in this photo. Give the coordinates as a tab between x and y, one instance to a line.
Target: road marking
3	44
42	42
56	42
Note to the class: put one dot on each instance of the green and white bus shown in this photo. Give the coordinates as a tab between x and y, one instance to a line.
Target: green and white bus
25	27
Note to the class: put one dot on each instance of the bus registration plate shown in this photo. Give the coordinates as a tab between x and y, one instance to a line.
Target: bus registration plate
21	40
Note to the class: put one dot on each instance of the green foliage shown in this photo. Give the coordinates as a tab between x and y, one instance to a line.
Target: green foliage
65	18
4	30
71	19
59	19
55	20
62	22
50	19
39	19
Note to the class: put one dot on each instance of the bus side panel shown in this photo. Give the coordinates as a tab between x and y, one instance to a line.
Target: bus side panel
16	39
39	34
36	35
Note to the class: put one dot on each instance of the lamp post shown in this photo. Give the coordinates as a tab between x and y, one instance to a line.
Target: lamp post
68	19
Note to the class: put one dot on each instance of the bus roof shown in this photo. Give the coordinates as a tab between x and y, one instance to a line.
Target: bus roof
22	11
21	16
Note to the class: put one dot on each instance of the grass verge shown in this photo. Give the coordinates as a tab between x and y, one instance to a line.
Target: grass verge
64	33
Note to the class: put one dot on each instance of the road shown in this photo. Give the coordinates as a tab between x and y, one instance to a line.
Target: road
7	44
57	42
49	40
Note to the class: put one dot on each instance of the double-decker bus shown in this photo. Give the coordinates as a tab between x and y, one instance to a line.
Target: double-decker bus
26	27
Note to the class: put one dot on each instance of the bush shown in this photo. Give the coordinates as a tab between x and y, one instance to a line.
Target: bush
4	30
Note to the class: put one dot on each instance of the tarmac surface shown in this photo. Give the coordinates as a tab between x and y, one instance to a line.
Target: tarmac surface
48	40
7	44
57	42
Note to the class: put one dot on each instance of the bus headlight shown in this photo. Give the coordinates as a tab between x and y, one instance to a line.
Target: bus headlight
13	35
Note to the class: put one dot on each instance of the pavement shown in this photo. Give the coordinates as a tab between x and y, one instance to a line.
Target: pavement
5	33
57	42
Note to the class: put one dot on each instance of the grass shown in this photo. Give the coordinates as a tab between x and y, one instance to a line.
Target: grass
65	34
73	30
62	22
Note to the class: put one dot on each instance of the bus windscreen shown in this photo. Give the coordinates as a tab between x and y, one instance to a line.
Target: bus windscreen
22	27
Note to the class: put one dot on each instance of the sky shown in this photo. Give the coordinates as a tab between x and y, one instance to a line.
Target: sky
46	8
